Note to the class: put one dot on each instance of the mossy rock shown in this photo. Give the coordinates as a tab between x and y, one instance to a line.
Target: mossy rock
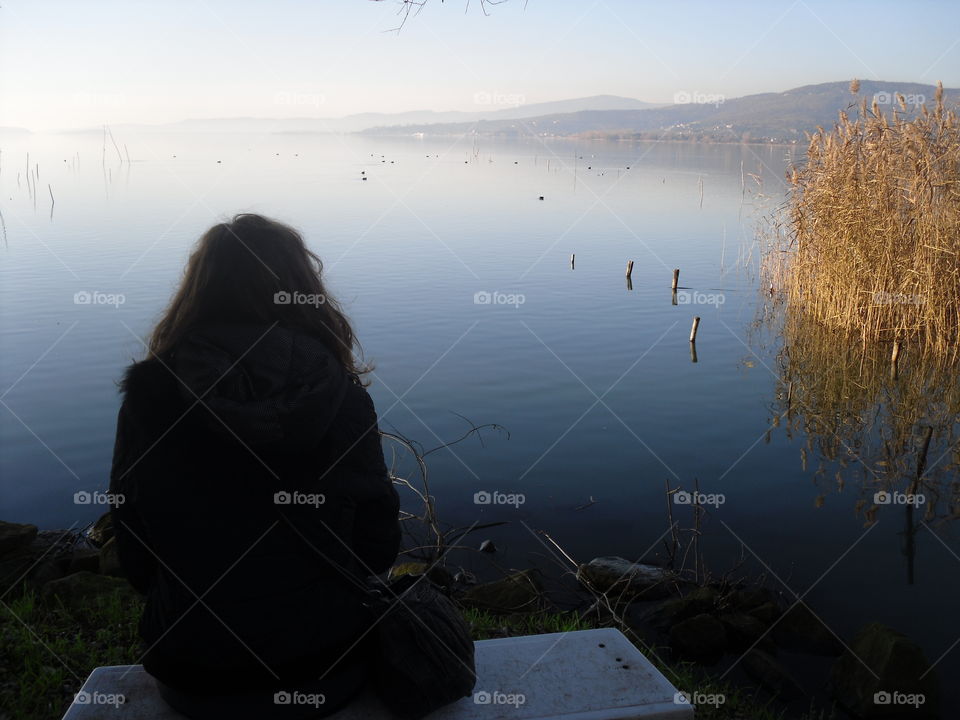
110	560
766	613
744	630
800	630
900	685
701	638
749	598
435	573
769	672
15	535
519	592
81	589
668	613
88	560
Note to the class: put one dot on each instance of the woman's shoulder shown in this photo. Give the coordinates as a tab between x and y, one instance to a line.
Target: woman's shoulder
150	389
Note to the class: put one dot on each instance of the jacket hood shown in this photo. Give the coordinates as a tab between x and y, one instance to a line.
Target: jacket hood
266	385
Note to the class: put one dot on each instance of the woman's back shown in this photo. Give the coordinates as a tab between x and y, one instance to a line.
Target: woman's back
228	424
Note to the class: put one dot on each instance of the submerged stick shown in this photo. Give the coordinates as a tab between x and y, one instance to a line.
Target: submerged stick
676	278
629	268
573	260
693	329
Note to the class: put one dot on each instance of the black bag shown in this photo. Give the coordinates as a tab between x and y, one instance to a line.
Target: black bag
423	657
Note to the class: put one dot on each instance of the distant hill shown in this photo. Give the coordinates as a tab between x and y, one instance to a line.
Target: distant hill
486	104
766	117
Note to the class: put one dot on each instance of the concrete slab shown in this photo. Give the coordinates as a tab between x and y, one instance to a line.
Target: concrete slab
583	675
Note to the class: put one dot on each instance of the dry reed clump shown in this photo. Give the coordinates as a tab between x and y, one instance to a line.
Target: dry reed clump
871	242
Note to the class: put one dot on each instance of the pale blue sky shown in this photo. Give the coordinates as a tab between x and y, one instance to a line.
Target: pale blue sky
69	63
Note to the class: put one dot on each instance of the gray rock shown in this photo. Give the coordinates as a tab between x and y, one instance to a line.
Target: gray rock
902	672
487	546
800	630
701	638
15	535
519	592
616	575
767	670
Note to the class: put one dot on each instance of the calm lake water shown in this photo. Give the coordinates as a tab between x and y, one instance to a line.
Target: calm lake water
593	379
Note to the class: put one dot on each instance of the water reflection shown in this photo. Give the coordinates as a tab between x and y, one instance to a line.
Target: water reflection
886	423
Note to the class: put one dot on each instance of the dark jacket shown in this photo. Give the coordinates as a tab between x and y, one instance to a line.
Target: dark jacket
206	438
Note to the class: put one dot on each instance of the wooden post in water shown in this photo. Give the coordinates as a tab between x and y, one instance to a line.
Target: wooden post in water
895	360
676	278
629	283
693	329
629	268
573	260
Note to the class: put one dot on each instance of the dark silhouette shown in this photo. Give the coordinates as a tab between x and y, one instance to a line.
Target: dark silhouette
250	402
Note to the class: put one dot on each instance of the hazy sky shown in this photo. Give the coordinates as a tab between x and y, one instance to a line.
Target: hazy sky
70	63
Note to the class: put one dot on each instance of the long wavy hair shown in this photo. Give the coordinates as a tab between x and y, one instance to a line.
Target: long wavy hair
254	269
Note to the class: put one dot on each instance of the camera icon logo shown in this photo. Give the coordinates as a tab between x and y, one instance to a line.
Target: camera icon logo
82	298
282	498
881	497
82	698
482	298
882	698
281	298
681	698
682	497
482	498
281	698
482	698
82	498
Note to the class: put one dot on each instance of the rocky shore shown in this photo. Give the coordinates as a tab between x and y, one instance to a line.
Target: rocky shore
715	627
